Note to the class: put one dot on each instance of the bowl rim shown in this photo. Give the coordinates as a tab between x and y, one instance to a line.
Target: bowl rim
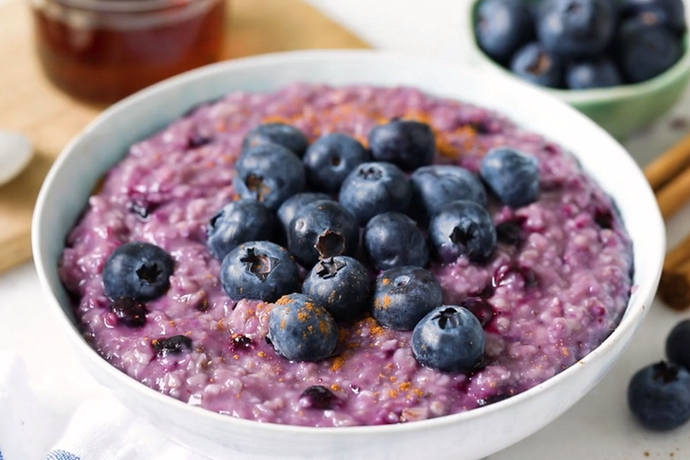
582	97
631	318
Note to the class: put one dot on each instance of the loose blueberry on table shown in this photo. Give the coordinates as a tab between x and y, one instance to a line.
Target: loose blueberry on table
659	393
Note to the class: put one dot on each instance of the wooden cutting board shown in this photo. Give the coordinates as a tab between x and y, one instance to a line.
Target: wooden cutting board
29	104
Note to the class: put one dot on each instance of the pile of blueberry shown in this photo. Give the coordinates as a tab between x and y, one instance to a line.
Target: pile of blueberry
659	394
364	225
581	44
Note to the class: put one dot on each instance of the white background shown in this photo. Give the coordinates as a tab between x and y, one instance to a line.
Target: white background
597	428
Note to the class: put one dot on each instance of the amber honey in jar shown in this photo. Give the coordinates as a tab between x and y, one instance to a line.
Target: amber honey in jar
104	50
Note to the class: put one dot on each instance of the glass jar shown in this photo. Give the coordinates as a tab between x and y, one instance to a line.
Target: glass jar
104	50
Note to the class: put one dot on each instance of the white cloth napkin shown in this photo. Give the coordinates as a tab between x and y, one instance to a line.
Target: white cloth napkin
100	429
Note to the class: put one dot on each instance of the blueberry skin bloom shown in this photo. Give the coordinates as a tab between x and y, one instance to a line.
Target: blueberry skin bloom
462	228
393	240
659	396
403	296
599	73
666	13
320	230
450	339
537	65
406	143
238	222
678	344
643	51
341	285
512	175
259	270
374	188
289	208
330	159
269	174
502	26
576	28
138	271
302	330
437	185
277	133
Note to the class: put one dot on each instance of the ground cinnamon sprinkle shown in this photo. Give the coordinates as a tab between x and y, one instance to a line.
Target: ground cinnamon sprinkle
338	363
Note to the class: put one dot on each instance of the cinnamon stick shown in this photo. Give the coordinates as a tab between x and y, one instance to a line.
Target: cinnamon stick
674	286
673	196
669	164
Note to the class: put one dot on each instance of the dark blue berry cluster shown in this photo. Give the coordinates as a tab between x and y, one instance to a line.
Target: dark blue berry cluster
581	44
659	394
333	231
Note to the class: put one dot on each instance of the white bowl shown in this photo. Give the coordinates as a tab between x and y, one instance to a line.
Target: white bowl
469	435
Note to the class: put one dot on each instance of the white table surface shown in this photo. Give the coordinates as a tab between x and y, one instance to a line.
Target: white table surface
599	427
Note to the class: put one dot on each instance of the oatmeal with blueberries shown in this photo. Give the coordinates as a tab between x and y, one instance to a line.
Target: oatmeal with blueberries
336	256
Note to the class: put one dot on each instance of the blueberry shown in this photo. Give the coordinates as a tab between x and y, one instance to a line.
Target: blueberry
576	28
289	208
277	133
318	397
403	295
302	330
678	344
436	185
537	65
375	188
393	240
406	143
330	159
666	13
129	312
659	396
598	73
511	175
341	285
269	174
137	270
259	270
503	26
462	228
172	345
450	339
238	222
643	51
320	230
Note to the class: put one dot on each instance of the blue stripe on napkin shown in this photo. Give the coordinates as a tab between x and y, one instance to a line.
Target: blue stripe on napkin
58	454
1	455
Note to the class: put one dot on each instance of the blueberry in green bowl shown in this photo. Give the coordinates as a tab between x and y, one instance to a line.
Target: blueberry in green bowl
623	63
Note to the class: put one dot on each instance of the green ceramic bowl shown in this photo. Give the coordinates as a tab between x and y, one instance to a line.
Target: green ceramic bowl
621	110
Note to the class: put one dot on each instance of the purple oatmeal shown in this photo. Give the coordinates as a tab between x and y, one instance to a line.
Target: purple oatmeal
553	290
